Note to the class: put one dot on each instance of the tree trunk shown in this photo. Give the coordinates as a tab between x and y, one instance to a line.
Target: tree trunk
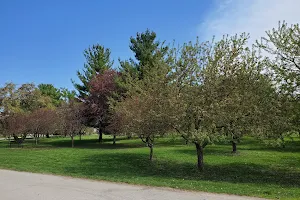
199	149
72	137
36	139
114	139
9	141
47	135
19	141
80	136
100	135
16	138
151	151
234	150
282	139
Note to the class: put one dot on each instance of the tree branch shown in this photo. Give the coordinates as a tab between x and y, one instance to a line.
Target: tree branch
185	138
141	137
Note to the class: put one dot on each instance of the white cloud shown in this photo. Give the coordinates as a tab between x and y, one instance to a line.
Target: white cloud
250	16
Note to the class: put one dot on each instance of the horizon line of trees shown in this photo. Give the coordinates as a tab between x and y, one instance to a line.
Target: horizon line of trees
204	91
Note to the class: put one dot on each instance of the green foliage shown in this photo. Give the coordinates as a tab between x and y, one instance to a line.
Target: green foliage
188	74
147	50
9	101
147	98
49	90
25	98
151	106
282	46
224	87
97	61
235	74
282	49
219	89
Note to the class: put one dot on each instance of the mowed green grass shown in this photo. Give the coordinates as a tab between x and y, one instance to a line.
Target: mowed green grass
256	171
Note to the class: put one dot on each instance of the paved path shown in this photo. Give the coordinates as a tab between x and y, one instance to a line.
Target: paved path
29	186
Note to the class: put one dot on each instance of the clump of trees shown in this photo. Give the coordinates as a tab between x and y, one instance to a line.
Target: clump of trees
30	110
204	91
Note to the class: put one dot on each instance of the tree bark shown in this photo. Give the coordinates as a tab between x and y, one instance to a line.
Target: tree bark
151	151
9	141
72	137
100	135
17	140
234	149
36	139
199	149
114	140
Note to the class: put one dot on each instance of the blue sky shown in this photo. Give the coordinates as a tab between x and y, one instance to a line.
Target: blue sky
43	41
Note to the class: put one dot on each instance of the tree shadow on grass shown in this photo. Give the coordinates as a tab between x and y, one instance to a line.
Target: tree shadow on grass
107	143
284	161
217	150
128	165
255	145
66	143
92	144
222	148
290	147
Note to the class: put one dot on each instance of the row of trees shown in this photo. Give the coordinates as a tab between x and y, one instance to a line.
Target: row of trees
38	111
203	91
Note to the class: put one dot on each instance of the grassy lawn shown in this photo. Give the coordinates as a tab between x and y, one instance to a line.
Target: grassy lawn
256	171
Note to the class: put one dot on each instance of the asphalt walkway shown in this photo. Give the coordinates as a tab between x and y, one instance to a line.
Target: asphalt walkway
29	186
